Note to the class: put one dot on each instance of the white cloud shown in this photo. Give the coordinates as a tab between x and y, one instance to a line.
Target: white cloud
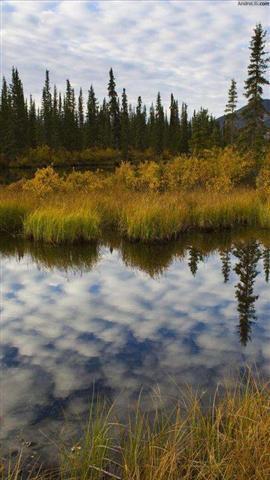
190	48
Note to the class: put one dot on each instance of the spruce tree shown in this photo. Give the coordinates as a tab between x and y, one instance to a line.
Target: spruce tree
6	130
80	121
47	110
174	127
19	117
114	111
55	140
140	126
92	120
159	126
32	124
70	126
104	125
254	130
230	114
184	130
124	125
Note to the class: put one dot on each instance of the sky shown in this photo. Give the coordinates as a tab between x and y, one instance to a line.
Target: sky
190	48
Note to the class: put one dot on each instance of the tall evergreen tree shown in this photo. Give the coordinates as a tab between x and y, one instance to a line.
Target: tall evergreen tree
80	121
140	126
254	130
151	127
47	110
184	130
174	127
230	114
7	140
124	125
92	119
114	111
159	126
70	127
32	124
55	136
19	117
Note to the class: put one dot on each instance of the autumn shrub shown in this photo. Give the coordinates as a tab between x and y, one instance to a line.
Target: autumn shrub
263	179
45	181
149	176
126	176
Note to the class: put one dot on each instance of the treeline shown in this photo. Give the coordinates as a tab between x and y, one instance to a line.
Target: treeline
64	121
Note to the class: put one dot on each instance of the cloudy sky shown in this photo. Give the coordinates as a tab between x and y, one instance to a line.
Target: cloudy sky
191	48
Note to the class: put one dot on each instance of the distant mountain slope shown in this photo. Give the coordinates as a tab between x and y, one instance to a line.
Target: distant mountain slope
240	121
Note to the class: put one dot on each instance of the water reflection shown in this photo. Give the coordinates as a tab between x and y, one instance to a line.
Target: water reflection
247	256
124	315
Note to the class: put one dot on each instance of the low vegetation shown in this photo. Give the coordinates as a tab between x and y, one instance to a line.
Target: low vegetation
229	440
148	202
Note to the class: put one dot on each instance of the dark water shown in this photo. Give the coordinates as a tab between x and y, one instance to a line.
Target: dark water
124	316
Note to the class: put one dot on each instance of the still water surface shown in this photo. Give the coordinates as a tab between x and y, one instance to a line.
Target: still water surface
124	316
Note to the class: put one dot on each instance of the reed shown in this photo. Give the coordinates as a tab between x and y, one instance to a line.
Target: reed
228	439
153	217
56	225
73	216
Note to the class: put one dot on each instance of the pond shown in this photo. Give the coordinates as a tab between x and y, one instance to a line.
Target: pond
119	317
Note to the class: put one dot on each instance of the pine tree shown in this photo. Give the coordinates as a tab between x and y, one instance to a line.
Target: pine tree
70	126
47	110
151	127
6	130
32	123
124	125
184	130
18	113
55	137
159	126
140	126
92	119
104	125
230	114
254	130
114	111
174	127
80	121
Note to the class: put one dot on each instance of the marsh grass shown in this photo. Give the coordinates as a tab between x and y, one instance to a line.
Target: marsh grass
145	216
228	439
56	225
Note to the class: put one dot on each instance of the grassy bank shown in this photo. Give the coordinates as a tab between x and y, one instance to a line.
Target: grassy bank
146	216
150	202
229	440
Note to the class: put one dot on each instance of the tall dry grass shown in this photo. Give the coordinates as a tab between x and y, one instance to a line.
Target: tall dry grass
228	439
81	206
